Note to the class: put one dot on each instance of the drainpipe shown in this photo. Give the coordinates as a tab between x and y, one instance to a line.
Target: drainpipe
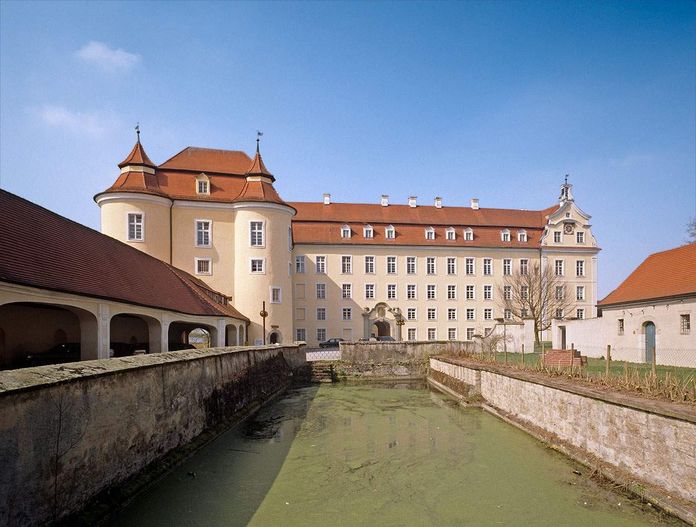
171	228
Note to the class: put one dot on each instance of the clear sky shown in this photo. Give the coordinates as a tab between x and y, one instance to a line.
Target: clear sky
495	100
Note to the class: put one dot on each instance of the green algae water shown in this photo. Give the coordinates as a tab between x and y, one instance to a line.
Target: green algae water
378	456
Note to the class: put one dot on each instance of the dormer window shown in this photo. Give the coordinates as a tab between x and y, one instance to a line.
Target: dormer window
505	235
202	185
368	231
468	234
451	234
390	233
345	231
430	233
522	236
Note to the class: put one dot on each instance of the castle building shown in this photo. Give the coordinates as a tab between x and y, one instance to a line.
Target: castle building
347	270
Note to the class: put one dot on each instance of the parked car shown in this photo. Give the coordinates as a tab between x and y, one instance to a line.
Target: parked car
331	343
68	352
386	338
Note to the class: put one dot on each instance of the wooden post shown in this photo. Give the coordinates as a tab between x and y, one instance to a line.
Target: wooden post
522	354
608	364
543	355
654	362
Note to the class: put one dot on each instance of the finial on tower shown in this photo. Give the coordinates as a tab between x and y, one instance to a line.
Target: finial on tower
566	179
566	193
137	130
258	139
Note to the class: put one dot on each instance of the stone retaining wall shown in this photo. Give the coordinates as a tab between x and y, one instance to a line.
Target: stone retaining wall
69	431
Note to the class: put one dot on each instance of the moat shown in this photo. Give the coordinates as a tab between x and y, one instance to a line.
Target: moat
379	455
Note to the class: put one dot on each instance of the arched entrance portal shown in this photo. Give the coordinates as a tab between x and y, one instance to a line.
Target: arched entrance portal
381	328
649	330
274	337
382	321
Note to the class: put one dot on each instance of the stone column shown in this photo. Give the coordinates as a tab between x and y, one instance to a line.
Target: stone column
367	323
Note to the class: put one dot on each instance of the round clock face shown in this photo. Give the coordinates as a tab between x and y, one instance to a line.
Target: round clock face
568	228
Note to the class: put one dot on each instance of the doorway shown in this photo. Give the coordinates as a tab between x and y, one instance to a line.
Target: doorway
649	329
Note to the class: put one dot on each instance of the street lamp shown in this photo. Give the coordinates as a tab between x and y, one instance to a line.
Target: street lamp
263	313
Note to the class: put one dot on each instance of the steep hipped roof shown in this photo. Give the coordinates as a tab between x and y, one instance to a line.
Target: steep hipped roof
137	156
209	160
42	249
666	274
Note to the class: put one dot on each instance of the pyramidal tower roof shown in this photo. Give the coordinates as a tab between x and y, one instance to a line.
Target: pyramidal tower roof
137	156
257	167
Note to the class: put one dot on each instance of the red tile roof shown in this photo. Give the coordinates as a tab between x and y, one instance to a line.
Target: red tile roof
666	274
39	248
137	156
209	160
258	168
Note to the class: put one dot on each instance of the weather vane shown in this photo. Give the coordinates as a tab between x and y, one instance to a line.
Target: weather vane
137	130
259	133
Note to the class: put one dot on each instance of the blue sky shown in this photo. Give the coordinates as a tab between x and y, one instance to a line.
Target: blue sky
495	100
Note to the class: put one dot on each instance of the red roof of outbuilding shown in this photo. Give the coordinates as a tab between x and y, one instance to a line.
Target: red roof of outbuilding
665	274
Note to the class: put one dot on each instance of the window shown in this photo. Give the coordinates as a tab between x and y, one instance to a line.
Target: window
452	333
321	313
410	265
411	292
470	313
203	228
522	236
580	237
321	334
347	313
299	264
430	265
432	313
368	231
505	235
369	291
135	227
507	314
580	292
290	243
470	292
558	267
580	313
507	292
346	264
391	264
390	233
347	291
556	236
685	324
391	291
524	266
321	291
369	265
345	231
488	314
411	334
524	313
429	233
300	334
488	292
507	266
451	292
257	266
256	234
450	233
299	313
321	264
276	297
469	333
203	266
411	313
431	292
580	268
469	265
451	265
432	334
202	187
560	292
620	328
468	235
559	313
452	313
524	292
487	266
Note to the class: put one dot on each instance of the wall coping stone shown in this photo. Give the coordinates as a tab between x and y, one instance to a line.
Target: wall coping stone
39	377
682	412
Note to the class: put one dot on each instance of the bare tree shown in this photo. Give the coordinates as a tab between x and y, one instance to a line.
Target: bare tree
536	293
691	230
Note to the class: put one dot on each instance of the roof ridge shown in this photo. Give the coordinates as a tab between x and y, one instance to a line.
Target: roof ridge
405	205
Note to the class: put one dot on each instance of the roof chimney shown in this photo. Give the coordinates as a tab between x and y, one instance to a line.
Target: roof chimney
474	203
438	202
412	201
385	200
327	199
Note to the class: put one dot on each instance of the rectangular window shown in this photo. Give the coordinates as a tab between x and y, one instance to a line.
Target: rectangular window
321	334
411	313
556	236
558	267
685	324
321	264
430	265
276	296
507	292
391	264
347	313
135	227
470	292
321	313
256	233
451	234
470	269
369	291
410	265
411	292
452	333
524	266
345	231
369	265
204	266
203	228
580	292
524	313
488	292
432	313
505	236
432	334
559	313
429	234
452	313
621	326
487	266
300	334
299	264
470	313
451	265
580	268
391	291
202	187
488	314
368	232
347	291
580	313
346	264
560	292
431	292
321	291
411	333
507	266
508	314
524	292
390	233
451	292
257	265
469	333
580	237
